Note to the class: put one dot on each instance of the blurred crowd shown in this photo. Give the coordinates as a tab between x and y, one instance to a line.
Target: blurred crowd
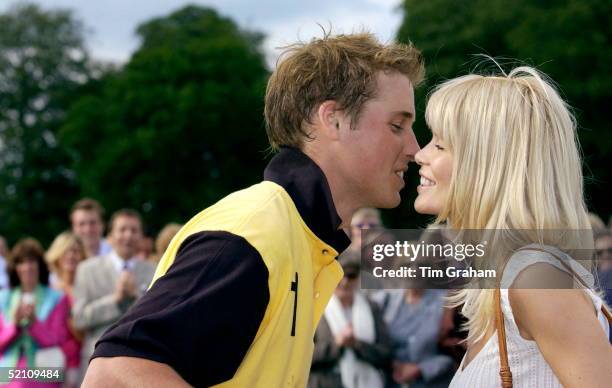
56	303
372	337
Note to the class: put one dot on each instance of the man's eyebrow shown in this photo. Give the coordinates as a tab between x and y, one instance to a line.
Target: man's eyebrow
404	113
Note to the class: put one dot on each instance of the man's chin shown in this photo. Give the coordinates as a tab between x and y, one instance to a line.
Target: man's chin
89	241
127	254
389	203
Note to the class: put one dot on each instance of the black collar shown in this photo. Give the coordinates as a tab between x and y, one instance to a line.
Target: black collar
307	186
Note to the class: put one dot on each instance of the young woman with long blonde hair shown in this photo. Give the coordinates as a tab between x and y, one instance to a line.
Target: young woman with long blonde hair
504	157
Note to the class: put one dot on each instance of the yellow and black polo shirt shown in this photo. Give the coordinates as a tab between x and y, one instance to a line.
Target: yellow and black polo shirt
239	292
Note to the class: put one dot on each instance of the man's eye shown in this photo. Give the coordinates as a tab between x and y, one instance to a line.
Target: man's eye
397	128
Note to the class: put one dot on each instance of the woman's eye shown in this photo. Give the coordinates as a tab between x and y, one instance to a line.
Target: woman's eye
439	147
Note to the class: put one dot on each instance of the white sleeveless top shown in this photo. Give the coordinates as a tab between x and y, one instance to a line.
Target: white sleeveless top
529	369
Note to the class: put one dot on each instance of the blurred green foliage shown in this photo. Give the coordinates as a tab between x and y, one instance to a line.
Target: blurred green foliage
179	126
169	133
42	63
569	40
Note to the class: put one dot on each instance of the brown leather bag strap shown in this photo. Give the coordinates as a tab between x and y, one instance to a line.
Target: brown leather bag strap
504	368
607	313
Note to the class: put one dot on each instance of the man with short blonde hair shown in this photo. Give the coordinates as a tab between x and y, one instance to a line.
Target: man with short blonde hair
87	221
240	290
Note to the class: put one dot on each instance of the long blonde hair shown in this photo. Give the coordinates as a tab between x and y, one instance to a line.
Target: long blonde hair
516	164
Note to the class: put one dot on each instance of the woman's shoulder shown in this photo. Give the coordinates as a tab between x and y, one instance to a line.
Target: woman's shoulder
55	298
537	311
540	266
52	292
538	285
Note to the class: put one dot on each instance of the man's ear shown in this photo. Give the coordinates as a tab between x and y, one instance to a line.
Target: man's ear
328	117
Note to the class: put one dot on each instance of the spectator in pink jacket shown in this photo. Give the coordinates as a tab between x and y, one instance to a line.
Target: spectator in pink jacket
32	315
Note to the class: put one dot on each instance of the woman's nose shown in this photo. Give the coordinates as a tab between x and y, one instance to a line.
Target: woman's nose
419	157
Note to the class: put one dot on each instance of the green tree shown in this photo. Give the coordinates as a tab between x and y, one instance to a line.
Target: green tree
567	39
42	62
180	125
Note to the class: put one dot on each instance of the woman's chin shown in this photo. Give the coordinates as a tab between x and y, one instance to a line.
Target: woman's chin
424	208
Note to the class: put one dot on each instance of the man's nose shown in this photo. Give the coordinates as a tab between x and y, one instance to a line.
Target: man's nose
412	145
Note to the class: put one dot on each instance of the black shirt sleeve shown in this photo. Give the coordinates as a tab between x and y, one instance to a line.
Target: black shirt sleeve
201	317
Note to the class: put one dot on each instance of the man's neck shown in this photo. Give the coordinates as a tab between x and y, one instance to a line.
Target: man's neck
413	295
343	200
121	256
93	248
347	301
